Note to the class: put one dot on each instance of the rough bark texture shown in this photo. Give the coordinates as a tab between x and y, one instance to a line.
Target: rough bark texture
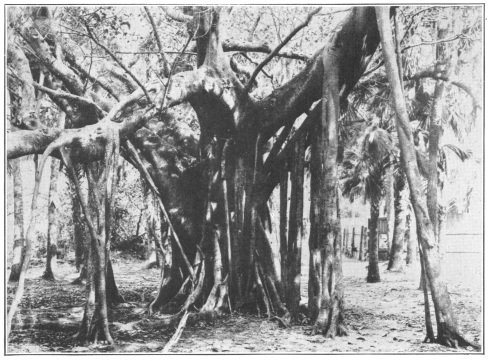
447	328
401	202
373	243
325	277
18	252
52	238
410	238
390	206
293	285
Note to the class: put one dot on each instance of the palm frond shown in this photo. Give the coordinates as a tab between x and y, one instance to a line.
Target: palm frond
462	154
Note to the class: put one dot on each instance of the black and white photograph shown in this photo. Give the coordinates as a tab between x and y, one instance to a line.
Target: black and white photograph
253	179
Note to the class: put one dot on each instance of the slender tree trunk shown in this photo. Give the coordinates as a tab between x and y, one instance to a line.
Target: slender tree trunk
400	205
430	335
52	223
362	235
284	264
373	243
390	206
293	287
18	253
447	328
80	238
410	239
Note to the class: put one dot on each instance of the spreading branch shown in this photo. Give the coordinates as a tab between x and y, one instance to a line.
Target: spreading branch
279	47
176	15
116	59
247	46
456	37
166	67
443	76
70	58
69	96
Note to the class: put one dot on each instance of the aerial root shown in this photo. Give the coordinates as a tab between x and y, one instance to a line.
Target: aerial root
176	336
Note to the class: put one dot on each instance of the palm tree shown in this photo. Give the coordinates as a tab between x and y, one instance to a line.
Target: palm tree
363	172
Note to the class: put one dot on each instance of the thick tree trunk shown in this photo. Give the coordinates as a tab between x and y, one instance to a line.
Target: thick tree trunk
373	243
325	271
447	328
401	203
18	252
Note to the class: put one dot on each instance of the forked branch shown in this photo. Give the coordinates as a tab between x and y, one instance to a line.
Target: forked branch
279	47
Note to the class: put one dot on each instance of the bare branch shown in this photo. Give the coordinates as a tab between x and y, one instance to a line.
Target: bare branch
166	67
279	47
255	25
69	96
176	15
154	52
432	42
229	45
442	76
72	61
168	85
94	39
56	66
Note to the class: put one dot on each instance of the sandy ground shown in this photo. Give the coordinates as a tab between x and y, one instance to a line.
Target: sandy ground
383	317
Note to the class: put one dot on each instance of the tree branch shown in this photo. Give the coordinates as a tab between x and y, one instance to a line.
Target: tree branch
116	59
246	46
176	15
279	47
432	42
70	58
69	96
442	76
166	67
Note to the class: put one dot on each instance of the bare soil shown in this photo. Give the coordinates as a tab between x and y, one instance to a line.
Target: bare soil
382	317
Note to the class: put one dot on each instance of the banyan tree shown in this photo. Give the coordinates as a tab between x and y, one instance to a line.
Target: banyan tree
216	211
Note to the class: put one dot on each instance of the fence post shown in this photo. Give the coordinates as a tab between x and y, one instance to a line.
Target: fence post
344	240
353	243
360	256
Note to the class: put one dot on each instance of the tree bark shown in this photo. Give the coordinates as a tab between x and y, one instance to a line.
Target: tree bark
360	252
447	328
325	272
52	237
401	203
18	252
410	238
390	205
373	274
294	251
